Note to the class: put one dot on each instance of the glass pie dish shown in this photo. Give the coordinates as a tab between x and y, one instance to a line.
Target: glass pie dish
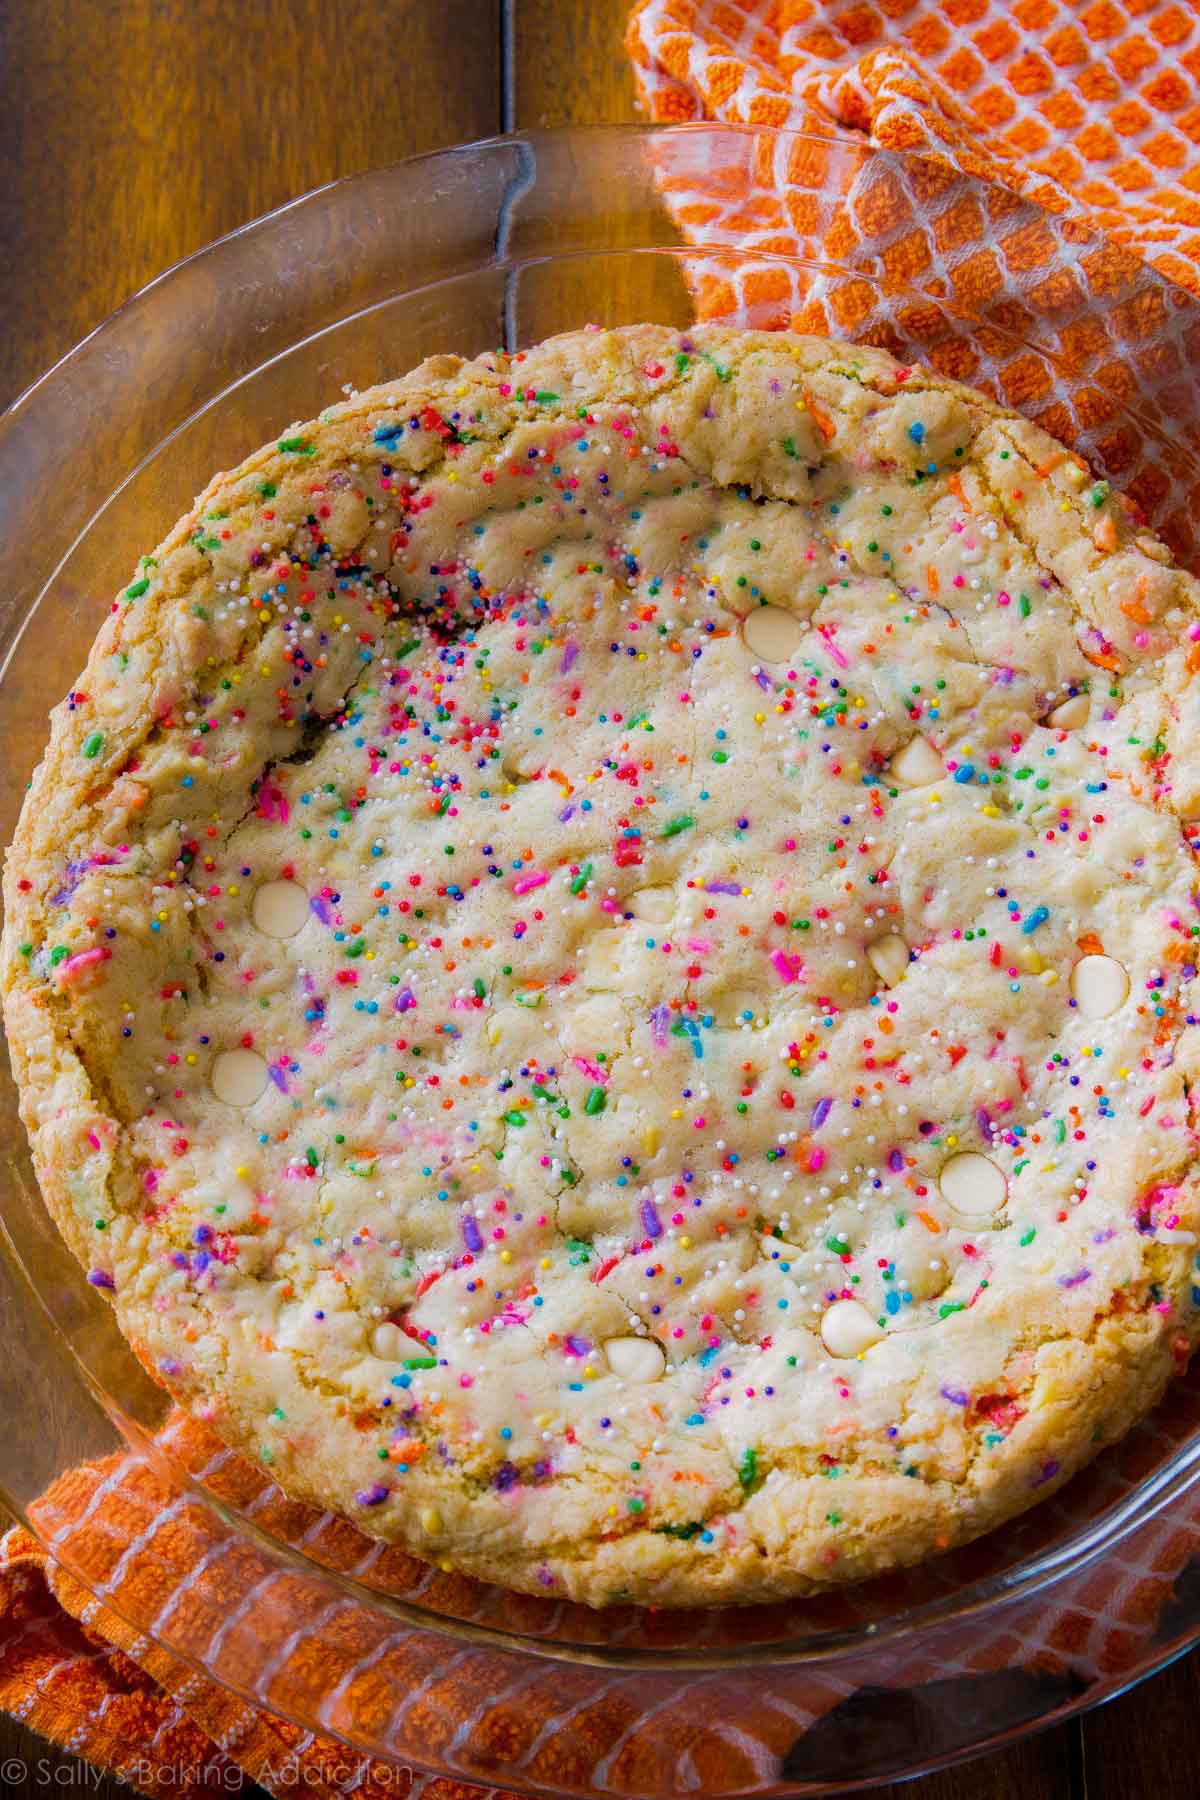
508	242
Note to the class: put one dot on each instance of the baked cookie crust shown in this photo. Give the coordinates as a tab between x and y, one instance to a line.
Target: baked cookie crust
601	963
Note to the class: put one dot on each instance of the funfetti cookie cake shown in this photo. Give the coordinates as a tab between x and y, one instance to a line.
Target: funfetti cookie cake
601	963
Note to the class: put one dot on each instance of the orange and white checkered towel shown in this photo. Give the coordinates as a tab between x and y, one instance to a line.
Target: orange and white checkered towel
1082	106
1009	192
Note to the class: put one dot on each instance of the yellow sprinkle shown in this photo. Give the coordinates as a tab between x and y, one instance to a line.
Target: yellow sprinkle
1048	977
506	1256
589	1374
990	812
676	1112
190	1057
264	616
685	1243
936	800
241	1169
760	718
612	1512
650	1140
233	888
544	1263
952	1140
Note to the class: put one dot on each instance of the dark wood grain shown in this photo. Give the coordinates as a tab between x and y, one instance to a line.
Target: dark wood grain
568	63
1147	1743
134	131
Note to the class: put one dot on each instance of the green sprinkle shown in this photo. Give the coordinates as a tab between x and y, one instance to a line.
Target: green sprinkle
137	589
93	744
296	447
582	879
596	1102
684	822
747	1471
419	1362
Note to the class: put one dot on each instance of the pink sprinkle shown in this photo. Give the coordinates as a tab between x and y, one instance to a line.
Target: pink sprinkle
591	1070
525	884
272	804
842	662
77	965
788	968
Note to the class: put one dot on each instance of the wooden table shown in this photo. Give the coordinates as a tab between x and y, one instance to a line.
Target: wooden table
134	131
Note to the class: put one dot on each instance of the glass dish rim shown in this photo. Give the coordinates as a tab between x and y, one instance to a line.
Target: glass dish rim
1177	1474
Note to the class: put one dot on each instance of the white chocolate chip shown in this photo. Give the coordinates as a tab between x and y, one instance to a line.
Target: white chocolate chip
917	764
1099	985
1072	713
772	634
238	1077
888	956
279	908
847	1329
387	1341
972	1183
635	1359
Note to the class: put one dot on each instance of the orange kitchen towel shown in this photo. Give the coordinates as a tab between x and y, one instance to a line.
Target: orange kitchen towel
1087	107
1009	193
73	1667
